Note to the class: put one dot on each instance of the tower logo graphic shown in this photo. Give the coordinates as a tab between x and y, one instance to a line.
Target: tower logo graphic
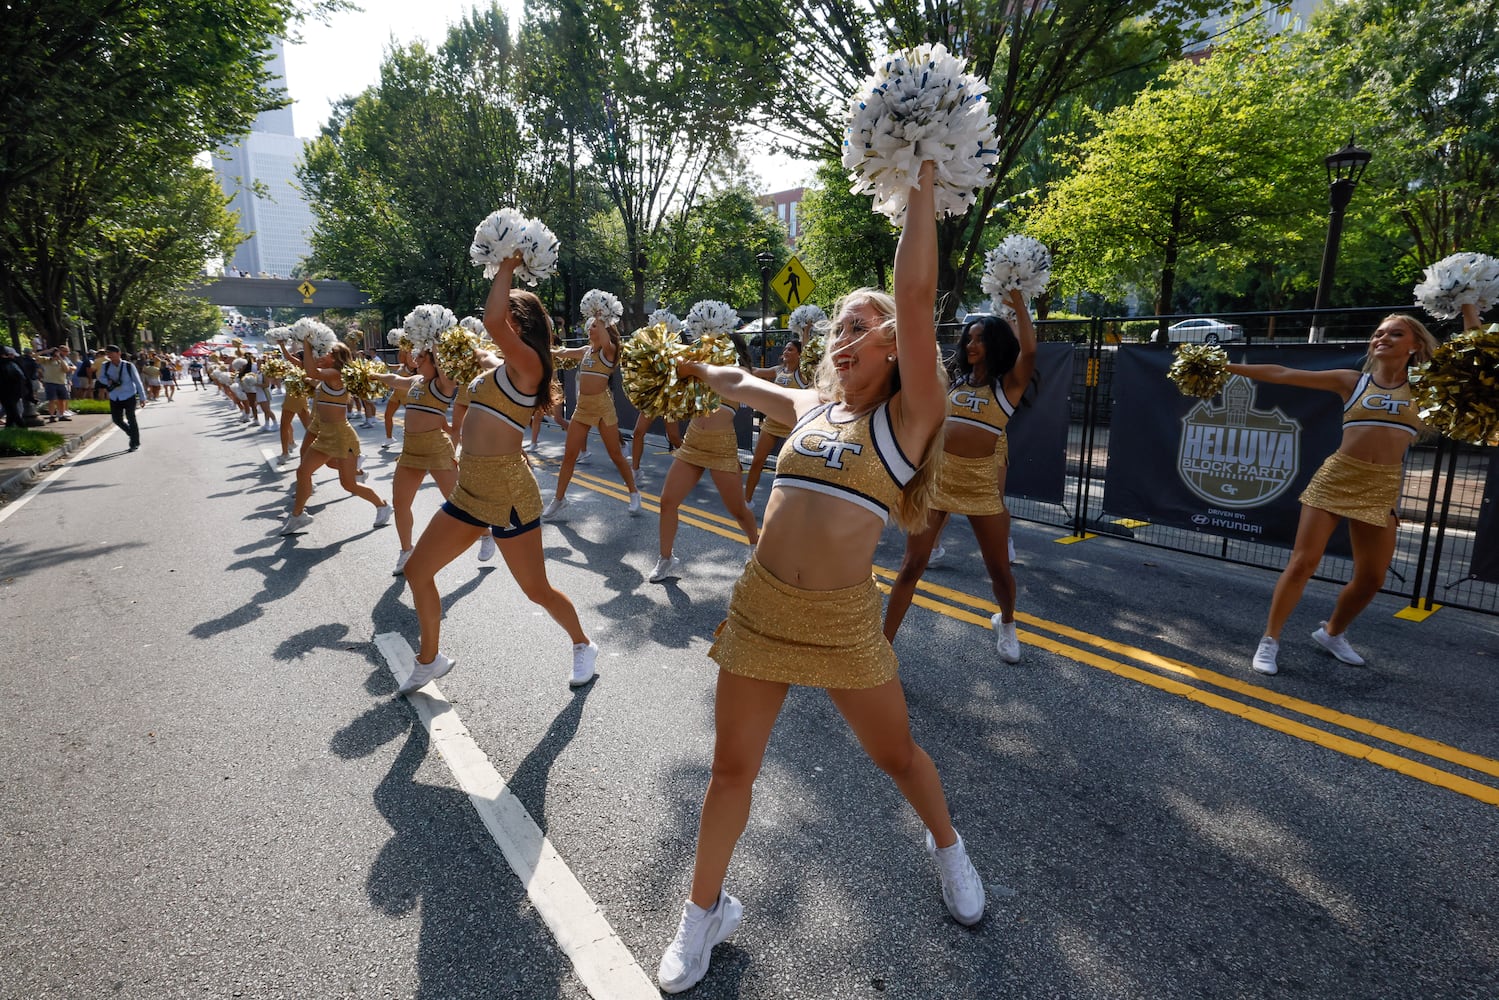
1232	455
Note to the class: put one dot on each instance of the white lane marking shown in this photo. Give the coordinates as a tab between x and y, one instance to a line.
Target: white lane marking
34	491
600	959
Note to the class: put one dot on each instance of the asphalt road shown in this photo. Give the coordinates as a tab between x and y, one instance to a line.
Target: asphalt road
212	789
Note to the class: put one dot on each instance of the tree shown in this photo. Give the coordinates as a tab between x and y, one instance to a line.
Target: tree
1210	160
710	252
843	244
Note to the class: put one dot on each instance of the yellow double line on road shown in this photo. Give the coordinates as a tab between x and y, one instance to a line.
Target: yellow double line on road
965	607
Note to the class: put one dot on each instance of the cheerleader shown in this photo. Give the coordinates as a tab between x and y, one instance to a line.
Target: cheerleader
294	404
257	392
788	375
595	408
992	368
711	445
1359	483
496	492
335	442
405	366
805	610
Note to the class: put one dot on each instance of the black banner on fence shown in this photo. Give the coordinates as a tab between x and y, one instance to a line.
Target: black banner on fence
1232	466
1485	565
1038	432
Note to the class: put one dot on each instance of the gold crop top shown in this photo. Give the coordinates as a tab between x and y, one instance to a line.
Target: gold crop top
493	393
324	393
1372	405
425	396
594	363
791	380
979	406
857	460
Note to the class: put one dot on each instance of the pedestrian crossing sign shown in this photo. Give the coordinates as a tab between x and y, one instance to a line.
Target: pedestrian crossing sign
793	284
306	288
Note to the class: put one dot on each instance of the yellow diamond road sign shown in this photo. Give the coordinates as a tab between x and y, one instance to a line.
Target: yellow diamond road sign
306	288
793	284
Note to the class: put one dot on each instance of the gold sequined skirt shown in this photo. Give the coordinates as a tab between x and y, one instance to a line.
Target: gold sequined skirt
817	638
1002	451
596	410
969	486
1355	489
497	489
428	450
717	451
774	428
337	439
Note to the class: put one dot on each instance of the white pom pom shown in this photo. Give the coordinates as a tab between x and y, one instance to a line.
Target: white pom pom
427	322
711	316
1459	280
505	233
667	317
1019	262
803	319
475	326
319	336
395	336
239	364
599	304
278	334
920	105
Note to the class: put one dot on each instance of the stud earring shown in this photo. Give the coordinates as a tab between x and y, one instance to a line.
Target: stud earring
889	357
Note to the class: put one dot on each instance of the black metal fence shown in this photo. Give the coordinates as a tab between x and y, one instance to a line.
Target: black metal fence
1441	497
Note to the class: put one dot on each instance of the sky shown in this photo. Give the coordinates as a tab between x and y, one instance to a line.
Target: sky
342	57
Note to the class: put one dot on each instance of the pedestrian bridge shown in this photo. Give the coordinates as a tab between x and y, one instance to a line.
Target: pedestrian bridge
310	294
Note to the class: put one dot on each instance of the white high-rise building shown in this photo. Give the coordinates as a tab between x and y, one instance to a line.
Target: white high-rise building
277	217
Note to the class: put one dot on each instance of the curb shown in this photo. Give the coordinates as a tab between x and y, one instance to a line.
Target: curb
17	482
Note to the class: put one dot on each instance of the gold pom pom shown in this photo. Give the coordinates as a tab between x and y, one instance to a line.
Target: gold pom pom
812	352
296	382
1457	391
1199	370
275	369
712	349
455	355
561	363
359	379
648	365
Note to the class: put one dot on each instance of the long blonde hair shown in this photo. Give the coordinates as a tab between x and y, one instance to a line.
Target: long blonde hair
1426	343
910	514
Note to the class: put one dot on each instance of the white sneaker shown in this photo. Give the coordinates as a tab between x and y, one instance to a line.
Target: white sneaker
553	506
962	889
383	515
666	566
1264	656
400	569
582	457
1337	645
296	524
388	443
286	456
584	655
635	502
425	673
1005	639
359	463
686	960
935	559
367	423
486	547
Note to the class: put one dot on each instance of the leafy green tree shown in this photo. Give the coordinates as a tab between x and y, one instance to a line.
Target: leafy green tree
709	253
179	321
1212	161
843	244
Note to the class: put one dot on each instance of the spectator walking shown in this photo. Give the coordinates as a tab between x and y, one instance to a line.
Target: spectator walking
123	384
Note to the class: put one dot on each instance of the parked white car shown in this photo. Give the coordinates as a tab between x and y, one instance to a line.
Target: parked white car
1204	331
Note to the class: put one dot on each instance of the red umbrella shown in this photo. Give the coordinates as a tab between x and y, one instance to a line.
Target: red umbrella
196	351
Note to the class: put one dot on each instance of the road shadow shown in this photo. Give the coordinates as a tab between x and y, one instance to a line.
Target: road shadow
17	560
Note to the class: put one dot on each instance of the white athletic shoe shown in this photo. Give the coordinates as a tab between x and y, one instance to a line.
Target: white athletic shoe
665	568
1005	639
935	559
1337	645
635	502
486	547
1264	656
584	656
383	515
553	506
686	960
286	456
400	569
388	443
582	457
296	524
425	673
962	889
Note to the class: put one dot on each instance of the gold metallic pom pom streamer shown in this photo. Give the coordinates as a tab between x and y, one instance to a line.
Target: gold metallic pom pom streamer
812	352
455	355
649	369
1199	370
1457	392
296	382
359	378
274	369
561	363
711	349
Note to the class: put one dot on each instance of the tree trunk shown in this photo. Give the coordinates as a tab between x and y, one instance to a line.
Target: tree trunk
1168	270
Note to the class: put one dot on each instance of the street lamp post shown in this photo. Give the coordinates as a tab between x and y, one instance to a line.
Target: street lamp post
1344	168
766	260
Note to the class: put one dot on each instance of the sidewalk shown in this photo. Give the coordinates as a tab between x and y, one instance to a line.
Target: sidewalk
17	472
